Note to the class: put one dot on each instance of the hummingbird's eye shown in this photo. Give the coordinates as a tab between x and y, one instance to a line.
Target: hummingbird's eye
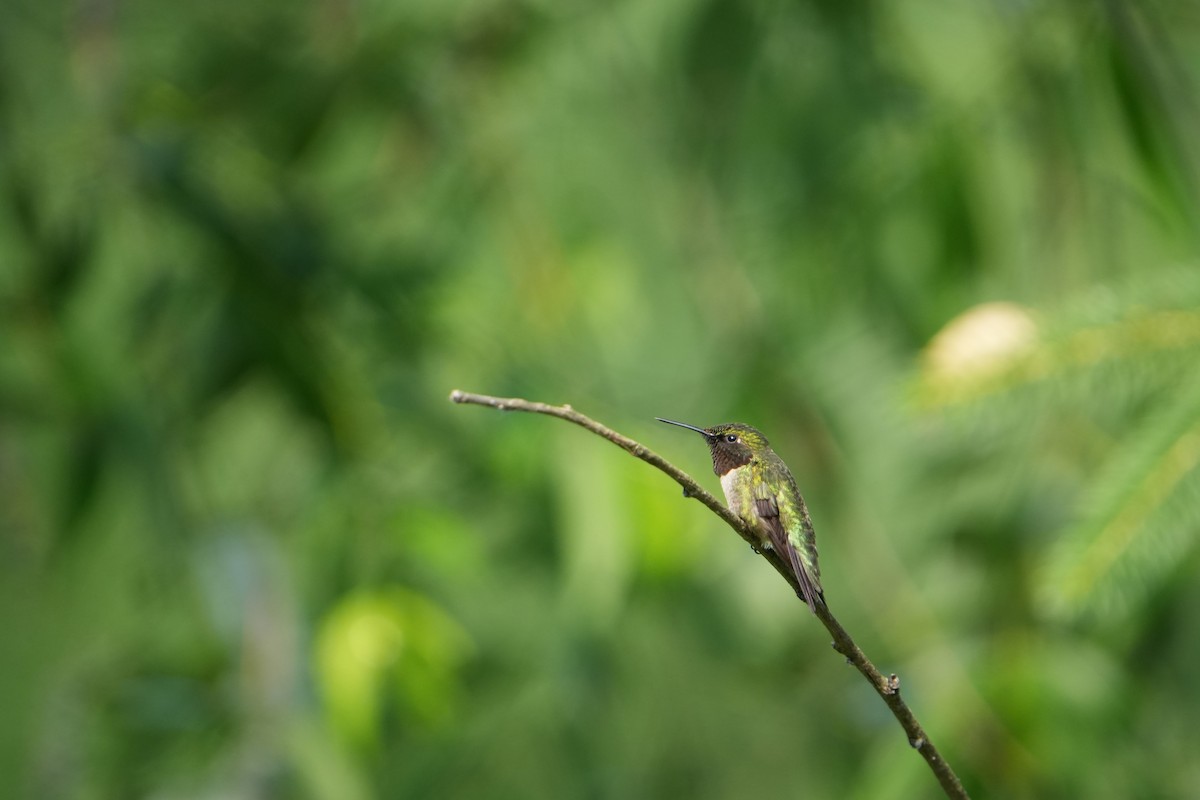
731	437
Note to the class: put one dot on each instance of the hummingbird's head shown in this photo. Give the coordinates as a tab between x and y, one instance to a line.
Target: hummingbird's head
731	445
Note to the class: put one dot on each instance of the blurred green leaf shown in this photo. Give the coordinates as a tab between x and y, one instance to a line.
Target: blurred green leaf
379	649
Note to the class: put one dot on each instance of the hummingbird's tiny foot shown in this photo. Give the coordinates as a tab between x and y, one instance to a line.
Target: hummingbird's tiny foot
757	551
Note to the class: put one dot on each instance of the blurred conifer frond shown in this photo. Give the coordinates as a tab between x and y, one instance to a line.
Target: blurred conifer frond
1138	516
1122	362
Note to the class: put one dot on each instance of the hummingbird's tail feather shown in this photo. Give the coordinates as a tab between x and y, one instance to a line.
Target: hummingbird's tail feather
810	590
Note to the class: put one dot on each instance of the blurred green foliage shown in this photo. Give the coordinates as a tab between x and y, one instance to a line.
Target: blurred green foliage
944	254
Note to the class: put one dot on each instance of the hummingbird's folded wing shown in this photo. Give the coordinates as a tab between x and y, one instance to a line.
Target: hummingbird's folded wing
767	511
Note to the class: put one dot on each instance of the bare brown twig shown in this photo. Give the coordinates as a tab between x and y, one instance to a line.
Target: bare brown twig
887	687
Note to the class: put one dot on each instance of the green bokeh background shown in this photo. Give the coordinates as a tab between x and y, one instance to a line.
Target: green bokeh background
945	254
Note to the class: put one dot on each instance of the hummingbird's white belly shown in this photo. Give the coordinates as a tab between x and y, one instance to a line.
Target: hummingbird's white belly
730	493
727	488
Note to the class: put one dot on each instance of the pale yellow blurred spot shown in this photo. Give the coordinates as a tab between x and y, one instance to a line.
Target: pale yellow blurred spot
975	348
980	342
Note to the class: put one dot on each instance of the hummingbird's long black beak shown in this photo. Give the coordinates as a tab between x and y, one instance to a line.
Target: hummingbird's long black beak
700	431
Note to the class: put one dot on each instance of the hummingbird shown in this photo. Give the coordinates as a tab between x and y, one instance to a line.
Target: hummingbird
760	489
